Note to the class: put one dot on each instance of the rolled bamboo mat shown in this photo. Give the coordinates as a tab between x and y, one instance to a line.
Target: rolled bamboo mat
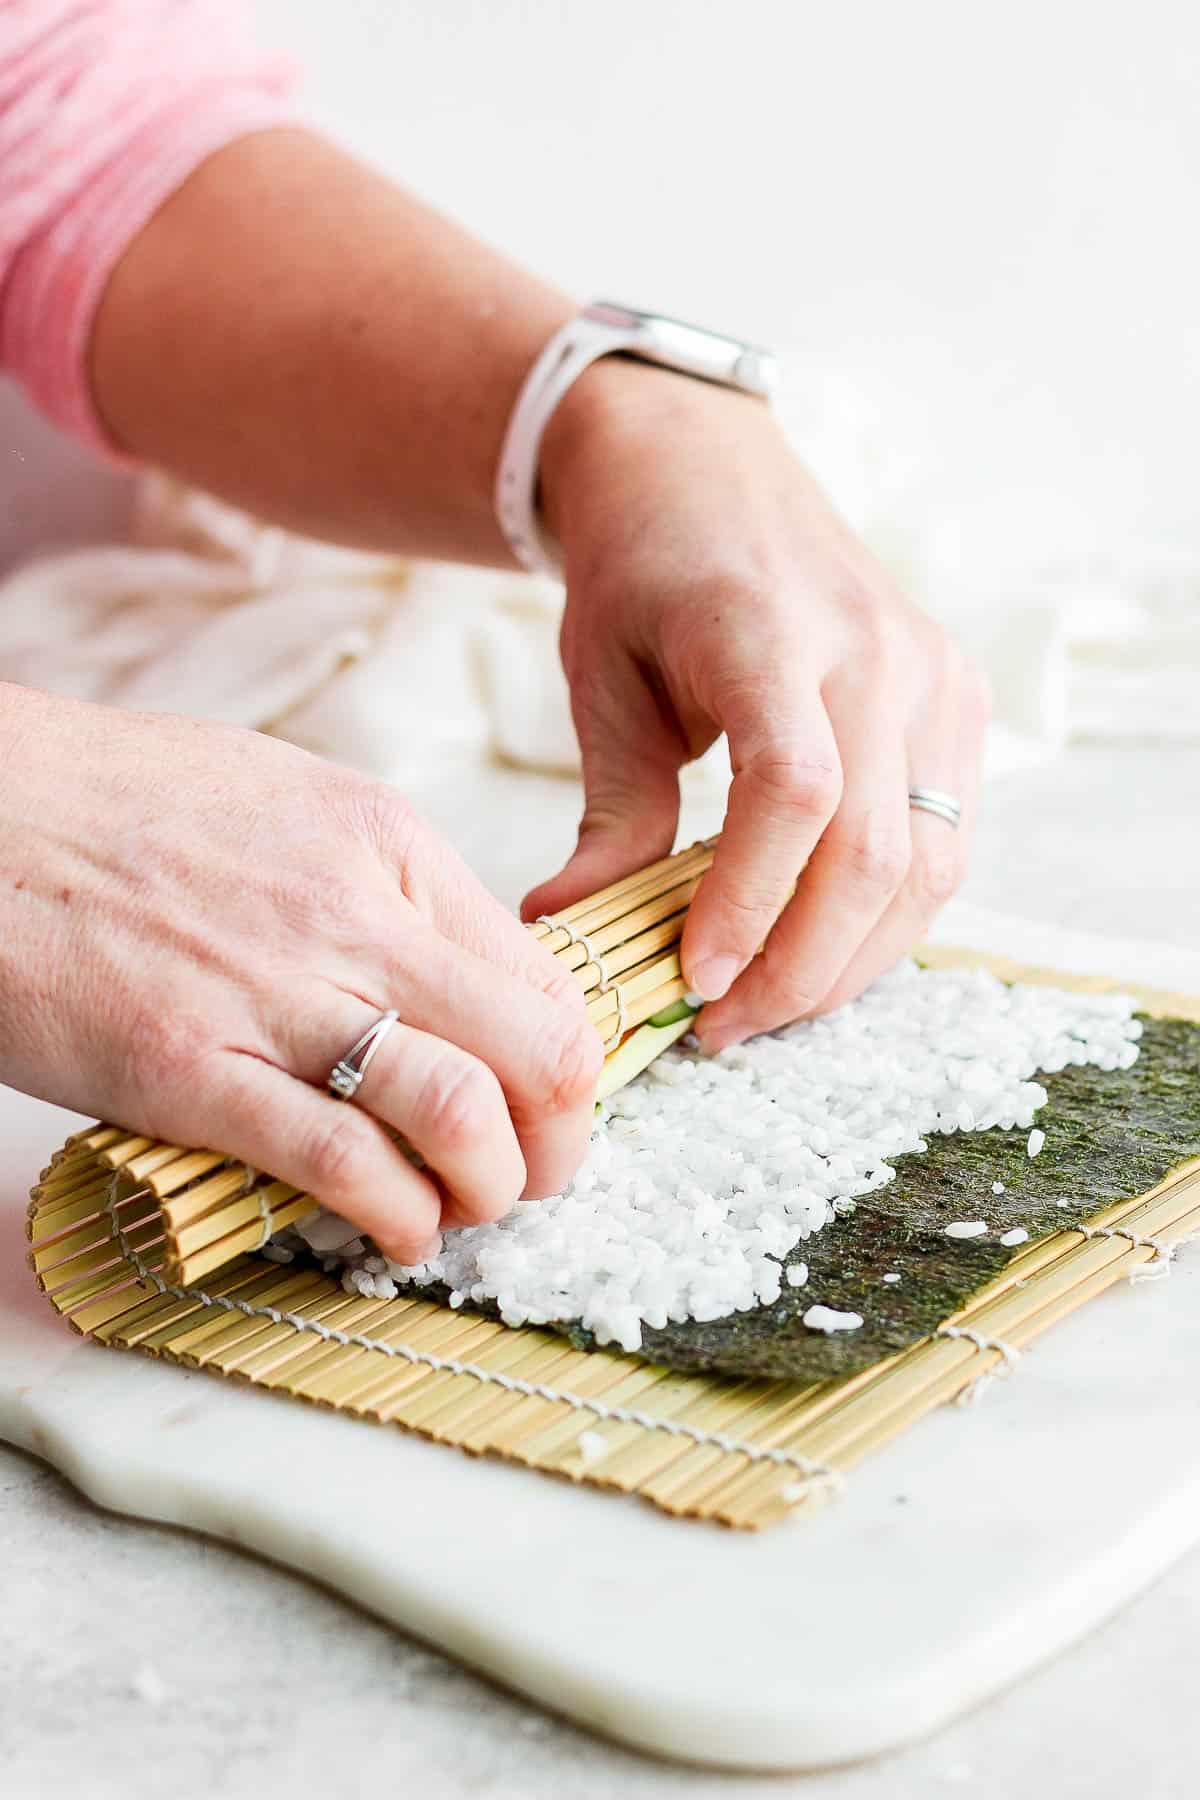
115	1216
743	1452
622	946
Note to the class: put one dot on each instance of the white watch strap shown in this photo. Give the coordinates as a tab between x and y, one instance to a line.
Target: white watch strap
570	351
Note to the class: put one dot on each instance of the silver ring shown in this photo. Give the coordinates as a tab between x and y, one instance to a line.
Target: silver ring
346	1076
933	800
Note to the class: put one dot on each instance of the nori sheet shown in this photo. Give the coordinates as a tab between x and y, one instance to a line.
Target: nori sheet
1109	1136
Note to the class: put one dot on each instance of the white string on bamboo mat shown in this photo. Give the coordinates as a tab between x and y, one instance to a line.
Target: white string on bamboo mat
581	938
1165	1249
977	1388
619	1029
815	1472
606	984
1010	1355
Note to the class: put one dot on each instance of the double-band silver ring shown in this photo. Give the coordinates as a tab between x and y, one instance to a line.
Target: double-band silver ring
933	800
346	1076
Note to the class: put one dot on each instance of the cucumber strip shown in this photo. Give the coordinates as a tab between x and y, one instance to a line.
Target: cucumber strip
670	1015
639	1051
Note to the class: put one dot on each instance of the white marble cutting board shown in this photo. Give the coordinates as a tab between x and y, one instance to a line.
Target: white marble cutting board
985	1541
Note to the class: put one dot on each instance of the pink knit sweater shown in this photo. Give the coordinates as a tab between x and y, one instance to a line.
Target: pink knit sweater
106	106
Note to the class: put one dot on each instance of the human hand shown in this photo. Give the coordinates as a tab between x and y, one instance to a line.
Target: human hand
711	588
197	921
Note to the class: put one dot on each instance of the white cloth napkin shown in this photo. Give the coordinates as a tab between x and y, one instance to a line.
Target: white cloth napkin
368	660
361	658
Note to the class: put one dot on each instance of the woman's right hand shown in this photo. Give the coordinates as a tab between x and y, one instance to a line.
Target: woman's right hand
197	921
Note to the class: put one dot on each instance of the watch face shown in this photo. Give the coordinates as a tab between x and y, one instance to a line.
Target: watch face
710	355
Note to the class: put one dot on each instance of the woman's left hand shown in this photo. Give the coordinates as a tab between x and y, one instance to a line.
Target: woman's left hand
712	588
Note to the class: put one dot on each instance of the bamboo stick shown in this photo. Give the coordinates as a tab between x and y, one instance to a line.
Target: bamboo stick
697	857
284	1345
61	1187
492	1419
366	1372
56	1221
179	1174
625	954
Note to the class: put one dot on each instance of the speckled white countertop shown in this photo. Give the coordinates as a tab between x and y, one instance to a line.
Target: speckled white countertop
274	1687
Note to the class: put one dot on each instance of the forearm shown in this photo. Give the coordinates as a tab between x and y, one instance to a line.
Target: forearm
297	334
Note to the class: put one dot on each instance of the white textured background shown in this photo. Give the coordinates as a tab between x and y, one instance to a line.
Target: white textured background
981	217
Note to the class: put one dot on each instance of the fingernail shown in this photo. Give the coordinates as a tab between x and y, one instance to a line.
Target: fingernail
714	977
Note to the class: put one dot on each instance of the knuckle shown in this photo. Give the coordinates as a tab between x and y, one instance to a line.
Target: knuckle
562	988
379	818
459	1103
165	1048
749	905
795	781
573	1061
935	878
609	806
381	813
337	1155
326	901
875	860
593	702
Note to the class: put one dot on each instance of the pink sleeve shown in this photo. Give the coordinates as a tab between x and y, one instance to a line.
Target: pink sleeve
106	107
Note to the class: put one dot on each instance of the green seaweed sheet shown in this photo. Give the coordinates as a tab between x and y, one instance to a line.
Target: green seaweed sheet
1109	1136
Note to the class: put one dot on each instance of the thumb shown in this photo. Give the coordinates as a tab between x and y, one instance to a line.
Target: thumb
631	808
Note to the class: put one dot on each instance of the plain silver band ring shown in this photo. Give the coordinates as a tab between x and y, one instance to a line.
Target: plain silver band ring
933	800
346	1076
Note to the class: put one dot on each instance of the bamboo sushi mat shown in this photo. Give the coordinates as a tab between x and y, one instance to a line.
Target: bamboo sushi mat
147	1246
